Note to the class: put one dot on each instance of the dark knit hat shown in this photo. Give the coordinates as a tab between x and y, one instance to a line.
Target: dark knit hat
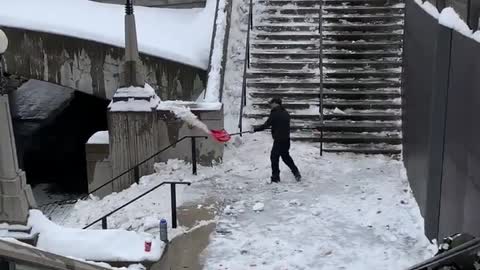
276	101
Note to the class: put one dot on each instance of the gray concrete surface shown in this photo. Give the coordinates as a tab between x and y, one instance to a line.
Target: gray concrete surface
161	3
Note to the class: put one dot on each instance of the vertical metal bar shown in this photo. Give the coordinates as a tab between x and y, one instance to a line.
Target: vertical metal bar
320	67
194	156
251	15
173	197
136	174
104	223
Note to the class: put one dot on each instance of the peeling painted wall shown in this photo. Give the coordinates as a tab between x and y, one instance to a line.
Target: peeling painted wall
93	67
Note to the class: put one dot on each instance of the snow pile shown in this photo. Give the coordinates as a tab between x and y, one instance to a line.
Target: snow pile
138	99
180	35
214	76
94	245
3	42
184	113
449	18
144	214
100	137
429	8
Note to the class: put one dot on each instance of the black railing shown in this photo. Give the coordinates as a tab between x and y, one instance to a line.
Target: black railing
173	197
466	253
136	169
320	67
246	66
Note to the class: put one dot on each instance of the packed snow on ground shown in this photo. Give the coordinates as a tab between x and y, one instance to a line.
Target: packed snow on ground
93	245
100	137
349	212
180	35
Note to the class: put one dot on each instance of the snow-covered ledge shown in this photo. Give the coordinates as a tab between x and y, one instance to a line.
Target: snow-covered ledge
449	18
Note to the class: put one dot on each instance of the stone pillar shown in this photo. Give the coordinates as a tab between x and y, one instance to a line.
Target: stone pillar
15	195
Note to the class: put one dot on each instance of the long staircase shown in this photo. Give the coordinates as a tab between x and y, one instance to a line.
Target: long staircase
361	70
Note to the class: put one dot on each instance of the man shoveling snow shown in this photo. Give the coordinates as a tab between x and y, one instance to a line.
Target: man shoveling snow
279	121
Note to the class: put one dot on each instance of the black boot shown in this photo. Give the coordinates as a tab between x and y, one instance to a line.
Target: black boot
298	177
275	179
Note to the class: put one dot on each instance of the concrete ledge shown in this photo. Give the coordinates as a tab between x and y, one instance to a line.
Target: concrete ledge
26	255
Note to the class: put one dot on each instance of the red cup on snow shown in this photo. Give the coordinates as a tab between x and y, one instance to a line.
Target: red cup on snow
148	245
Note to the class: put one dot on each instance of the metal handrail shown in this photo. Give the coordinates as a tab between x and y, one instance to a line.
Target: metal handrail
320	67
246	65
173	196
136	169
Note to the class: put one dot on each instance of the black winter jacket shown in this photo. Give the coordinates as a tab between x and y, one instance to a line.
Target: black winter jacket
279	120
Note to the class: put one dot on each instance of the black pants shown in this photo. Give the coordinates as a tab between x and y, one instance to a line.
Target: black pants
281	149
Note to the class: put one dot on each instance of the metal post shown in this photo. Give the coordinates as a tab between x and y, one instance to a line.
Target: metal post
136	174
251	15
194	156
104	223
173	197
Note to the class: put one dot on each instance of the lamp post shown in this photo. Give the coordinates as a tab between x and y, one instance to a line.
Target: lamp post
132	74
15	195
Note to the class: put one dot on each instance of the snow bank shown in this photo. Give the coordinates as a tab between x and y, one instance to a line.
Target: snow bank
95	245
138	99
214	76
100	137
180	35
449	18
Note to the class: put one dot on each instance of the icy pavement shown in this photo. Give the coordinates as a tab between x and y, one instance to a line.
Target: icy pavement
350	212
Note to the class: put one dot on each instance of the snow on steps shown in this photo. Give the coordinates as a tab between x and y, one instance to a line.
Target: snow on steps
362	46
362	65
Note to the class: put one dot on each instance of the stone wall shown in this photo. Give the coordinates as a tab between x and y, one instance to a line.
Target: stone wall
135	136
93	67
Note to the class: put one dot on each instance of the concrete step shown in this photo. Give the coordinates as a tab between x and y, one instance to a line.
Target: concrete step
360	84
394	138
291	10
385	93
361	126
359	115
370	54
297	55
287	18
361	104
349	3
283	72
279	83
362	45
286	27
280	3
362	73
366	36
361	27
287	35
363	10
368	18
283	63
286	44
366	148
351	64
375	93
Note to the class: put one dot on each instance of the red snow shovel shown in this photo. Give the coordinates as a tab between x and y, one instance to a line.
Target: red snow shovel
223	136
